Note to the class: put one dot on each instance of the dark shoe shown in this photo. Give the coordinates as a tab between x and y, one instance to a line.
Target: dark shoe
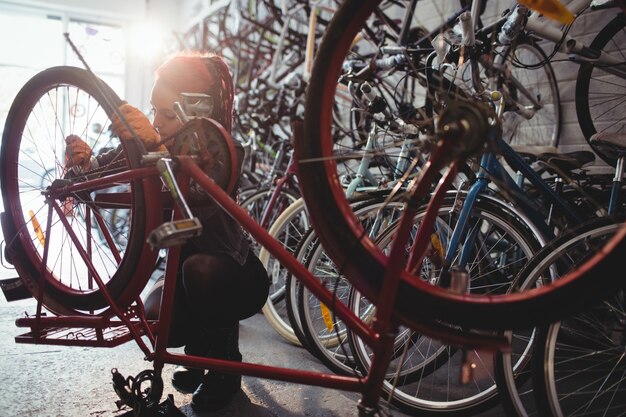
215	392
217	389
187	380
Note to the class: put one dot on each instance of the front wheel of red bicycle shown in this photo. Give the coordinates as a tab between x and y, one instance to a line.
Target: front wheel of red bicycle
62	243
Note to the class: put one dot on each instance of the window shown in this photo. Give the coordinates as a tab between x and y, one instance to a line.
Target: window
36	41
32	40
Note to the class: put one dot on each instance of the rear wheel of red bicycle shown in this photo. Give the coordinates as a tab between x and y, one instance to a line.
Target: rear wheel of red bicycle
62	242
345	241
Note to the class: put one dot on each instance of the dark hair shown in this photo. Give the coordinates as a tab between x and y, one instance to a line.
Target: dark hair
201	73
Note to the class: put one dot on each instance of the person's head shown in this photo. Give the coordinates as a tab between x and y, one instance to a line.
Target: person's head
191	73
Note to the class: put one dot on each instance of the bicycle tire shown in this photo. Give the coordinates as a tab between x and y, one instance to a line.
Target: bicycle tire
33	116
325	335
283	228
424	380
587	98
583	367
308	244
255	203
342	237
544	127
576	360
518	384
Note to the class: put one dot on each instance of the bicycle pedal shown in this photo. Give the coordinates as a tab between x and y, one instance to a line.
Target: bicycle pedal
14	289
174	233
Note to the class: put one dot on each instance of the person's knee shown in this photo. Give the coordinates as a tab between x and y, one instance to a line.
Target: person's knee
204	276
198	265
218	286
257	291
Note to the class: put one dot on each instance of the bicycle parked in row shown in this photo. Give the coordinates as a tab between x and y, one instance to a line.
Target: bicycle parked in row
393	268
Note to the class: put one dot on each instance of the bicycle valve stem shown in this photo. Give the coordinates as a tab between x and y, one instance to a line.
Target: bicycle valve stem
467	368
459	283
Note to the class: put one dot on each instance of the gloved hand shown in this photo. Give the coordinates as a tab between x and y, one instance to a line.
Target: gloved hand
77	153
140	124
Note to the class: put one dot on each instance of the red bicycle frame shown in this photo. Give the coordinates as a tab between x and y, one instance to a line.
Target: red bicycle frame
131	323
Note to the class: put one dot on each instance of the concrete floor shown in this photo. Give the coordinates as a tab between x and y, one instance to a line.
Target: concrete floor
59	381
47	380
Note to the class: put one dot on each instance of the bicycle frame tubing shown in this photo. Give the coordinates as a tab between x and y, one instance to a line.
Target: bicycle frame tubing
162	356
519	164
570	45
491	168
363	171
404	30
380	337
279	157
288	176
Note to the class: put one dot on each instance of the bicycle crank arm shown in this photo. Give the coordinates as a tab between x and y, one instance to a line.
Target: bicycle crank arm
164	165
174	233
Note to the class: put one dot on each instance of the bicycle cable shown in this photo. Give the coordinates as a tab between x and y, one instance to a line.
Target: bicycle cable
557	46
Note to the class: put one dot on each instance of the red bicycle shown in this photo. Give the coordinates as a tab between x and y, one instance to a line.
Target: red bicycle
66	244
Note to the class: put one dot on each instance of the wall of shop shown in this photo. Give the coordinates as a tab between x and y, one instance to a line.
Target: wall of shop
584	29
175	17
133	16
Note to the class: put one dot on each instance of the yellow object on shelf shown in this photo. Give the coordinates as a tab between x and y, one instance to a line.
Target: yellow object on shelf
552	9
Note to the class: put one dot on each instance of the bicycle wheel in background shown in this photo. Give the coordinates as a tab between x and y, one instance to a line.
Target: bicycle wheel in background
292	287
584	372
517	372
601	94
424	374
532	115
79	232
363	263
288	229
261	208
325	335
578	364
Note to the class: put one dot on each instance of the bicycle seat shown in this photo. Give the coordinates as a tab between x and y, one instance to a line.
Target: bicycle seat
534	150
568	161
613	145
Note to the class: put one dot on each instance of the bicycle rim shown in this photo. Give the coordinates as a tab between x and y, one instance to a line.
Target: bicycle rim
600	96
424	375
76	229
289	228
578	364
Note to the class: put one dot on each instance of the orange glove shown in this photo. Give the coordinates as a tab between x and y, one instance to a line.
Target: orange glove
77	153
140	124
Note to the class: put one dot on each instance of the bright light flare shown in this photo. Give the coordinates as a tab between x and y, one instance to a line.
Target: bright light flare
147	41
